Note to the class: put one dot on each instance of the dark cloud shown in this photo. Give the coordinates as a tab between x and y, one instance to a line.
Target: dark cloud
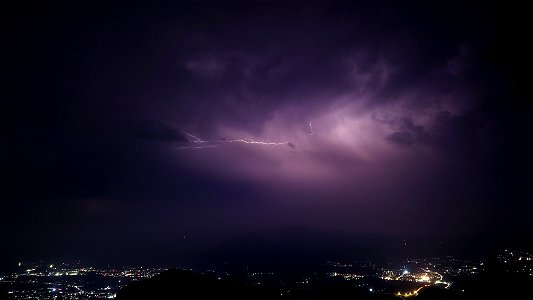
409	134
368	116
155	131
401	138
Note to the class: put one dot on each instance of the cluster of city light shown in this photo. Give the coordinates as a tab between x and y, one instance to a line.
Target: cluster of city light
423	278
447	284
339	264
261	274
410	294
347	276
426	277
517	262
62	281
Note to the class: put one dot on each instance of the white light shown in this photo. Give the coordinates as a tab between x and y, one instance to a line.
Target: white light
370	289
405	272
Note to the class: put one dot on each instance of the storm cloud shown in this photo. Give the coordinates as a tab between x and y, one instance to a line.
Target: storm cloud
211	119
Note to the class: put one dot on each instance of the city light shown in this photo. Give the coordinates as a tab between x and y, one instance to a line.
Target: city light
75	285
69	281
423	278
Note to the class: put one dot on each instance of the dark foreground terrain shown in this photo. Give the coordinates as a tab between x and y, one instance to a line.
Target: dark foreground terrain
495	282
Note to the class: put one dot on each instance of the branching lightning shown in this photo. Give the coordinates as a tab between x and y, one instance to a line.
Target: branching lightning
198	143
196	139
201	144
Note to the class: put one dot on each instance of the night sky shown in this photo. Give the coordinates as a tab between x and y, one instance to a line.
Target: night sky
140	132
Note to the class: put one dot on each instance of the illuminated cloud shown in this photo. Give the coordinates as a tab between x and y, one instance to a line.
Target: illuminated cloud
219	118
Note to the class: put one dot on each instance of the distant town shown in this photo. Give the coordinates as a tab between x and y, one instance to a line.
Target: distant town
403	278
70	281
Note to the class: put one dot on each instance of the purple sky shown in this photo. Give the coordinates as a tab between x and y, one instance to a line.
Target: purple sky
210	120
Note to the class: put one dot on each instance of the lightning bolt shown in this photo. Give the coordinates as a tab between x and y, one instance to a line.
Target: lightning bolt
196	139
201	144
311	129
198	143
